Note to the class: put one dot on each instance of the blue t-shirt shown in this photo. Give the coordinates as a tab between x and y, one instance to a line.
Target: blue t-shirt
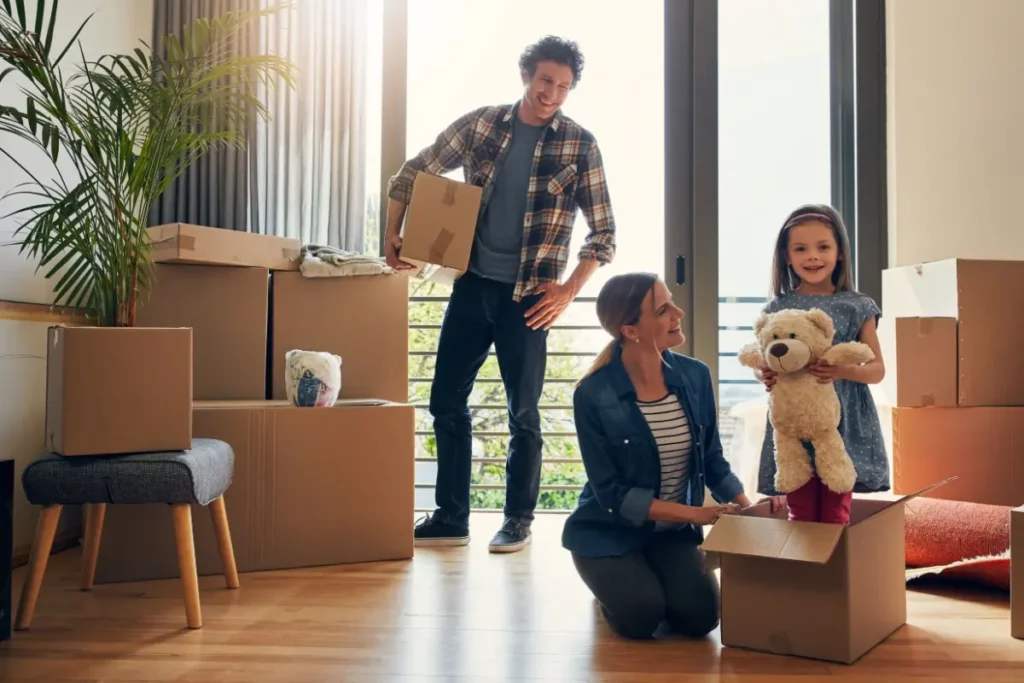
859	424
498	243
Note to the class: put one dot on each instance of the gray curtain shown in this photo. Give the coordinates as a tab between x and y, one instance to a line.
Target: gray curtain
213	191
303	172
309	160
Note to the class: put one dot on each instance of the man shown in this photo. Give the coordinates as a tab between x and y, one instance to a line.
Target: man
536	166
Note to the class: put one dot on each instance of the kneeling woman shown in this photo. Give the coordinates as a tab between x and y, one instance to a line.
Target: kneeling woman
647	427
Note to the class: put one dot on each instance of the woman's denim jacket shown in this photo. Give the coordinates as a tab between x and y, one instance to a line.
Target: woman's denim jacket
622	461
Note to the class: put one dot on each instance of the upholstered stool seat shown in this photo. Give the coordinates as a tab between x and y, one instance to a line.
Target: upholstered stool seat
198	476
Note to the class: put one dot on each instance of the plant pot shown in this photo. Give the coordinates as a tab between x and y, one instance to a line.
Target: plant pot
114	390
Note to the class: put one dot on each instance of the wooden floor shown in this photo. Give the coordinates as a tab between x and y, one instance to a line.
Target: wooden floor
449	615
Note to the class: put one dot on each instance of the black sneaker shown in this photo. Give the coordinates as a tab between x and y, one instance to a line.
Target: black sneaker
431	532
512	537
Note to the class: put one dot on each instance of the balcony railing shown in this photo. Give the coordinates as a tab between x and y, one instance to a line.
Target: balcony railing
571	341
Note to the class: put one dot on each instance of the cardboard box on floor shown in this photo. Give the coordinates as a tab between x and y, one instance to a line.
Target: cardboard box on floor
196	244
980	446
440	224
1017	573
362	318
312	487
925	370
822	591
227	309
984	297
112	390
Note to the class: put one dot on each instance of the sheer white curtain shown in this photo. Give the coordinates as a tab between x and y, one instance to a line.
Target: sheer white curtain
307	162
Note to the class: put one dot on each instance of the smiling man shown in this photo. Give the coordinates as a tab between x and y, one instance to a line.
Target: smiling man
536	167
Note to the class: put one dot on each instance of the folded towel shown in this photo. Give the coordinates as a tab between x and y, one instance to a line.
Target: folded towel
324	261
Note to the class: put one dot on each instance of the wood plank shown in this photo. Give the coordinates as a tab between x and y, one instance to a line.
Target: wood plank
43	313
457	614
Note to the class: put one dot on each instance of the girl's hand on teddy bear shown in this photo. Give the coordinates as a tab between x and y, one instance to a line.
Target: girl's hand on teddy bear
768	378
825	371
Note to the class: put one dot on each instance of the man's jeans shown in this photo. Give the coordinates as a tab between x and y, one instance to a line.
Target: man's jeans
480	312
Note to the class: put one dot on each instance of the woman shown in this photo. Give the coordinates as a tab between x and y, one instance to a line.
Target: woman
647	427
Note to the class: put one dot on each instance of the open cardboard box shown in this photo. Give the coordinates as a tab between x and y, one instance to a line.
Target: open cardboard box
822	591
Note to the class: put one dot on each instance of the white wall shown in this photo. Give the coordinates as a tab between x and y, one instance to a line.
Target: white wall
956	129
116	27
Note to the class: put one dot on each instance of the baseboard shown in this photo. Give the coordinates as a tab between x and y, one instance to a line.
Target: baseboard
61	542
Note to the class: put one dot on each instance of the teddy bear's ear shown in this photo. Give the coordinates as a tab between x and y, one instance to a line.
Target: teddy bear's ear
759	324
822	321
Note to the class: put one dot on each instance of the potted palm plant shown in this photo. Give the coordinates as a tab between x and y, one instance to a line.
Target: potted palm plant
117	131
128	125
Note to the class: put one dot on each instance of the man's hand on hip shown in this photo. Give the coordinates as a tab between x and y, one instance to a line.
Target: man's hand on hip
554	300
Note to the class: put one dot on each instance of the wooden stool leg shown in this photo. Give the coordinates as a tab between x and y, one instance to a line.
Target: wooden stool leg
46	527
187	562
227	552
94	514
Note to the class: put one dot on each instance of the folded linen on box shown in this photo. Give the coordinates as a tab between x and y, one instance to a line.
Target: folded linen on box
325	261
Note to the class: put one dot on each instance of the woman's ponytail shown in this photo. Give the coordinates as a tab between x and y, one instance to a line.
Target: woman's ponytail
618	304
602	359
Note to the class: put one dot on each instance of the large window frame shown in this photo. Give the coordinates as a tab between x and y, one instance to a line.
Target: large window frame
858	124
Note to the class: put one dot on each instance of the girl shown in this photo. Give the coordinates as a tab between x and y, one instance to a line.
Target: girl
812	269
648	435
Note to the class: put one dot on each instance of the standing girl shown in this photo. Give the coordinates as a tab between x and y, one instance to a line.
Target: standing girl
812	269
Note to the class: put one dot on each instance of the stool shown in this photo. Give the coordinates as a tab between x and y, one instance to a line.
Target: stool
178	478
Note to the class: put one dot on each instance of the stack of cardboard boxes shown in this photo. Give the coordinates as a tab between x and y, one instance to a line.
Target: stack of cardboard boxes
956	381
312	486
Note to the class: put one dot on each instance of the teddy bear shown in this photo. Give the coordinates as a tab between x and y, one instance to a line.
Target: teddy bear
800	407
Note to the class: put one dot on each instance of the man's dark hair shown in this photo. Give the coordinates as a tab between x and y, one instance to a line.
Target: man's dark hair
553	49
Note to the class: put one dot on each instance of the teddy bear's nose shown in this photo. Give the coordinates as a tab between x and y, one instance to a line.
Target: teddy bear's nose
778	350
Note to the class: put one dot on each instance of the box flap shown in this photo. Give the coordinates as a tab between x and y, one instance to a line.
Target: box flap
777	539
904	499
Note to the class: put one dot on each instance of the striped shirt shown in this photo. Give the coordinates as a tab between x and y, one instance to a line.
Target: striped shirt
671	432
567	173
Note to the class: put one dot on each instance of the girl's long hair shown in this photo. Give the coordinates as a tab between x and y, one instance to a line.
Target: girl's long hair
619	303
784	280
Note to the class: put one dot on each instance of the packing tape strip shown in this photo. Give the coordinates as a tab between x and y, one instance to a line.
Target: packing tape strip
449	192
185	242
925	326
927	400
440	246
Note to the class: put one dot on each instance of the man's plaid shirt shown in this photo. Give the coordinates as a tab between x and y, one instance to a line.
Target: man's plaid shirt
567	173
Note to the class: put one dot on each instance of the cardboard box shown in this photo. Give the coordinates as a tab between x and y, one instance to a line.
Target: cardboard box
116	390
183	243
227	309
1017	573
984	298
312	486
926	362
983	447
362	318
440	225
832	592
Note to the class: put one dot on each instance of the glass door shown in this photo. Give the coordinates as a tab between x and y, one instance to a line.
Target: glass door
775	132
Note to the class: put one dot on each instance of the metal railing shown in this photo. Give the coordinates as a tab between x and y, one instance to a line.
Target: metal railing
423	430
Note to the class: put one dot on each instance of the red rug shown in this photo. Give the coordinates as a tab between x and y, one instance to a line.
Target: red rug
958	541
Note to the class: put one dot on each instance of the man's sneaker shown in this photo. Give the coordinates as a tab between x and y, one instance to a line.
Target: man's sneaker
432	532
513	536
